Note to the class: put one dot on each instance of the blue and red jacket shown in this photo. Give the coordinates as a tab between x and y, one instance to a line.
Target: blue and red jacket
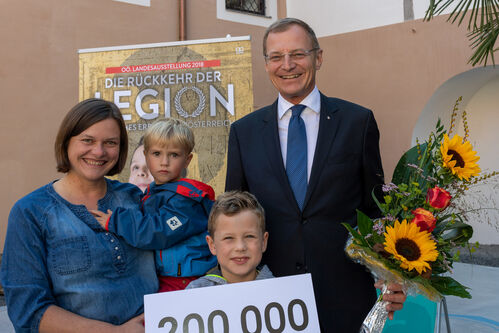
173	221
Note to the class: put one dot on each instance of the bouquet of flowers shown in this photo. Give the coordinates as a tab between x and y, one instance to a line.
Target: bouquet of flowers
413	242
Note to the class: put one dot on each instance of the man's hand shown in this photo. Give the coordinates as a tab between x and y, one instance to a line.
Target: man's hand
395	297
101	217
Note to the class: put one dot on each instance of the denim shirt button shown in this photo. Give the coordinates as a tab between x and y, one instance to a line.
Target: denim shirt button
75	257
116	248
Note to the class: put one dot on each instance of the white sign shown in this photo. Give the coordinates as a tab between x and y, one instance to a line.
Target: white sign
285	304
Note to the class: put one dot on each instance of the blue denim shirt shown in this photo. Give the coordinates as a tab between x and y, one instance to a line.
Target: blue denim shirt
56	253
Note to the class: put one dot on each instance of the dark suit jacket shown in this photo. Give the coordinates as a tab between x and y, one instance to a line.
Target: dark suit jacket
346	168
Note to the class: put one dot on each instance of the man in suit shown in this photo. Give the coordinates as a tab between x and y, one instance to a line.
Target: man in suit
311	161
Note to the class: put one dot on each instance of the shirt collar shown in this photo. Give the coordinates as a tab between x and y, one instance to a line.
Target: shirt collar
312	101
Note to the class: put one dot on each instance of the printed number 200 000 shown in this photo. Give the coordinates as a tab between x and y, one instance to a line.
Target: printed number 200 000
244	319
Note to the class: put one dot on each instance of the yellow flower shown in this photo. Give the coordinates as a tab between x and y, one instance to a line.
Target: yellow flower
412	247
459	157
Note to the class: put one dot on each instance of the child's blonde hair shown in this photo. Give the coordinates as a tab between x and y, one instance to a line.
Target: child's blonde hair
171	130
232	203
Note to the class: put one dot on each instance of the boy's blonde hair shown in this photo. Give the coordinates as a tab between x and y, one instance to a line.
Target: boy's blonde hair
232	203
171	130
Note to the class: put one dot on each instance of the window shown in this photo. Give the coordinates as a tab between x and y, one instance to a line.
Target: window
247	6
267	17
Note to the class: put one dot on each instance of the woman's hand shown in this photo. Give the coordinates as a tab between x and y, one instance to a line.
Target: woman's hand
134	325
58	320
101	217
395	297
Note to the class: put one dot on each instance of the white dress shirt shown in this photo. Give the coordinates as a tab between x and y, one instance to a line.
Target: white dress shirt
310	116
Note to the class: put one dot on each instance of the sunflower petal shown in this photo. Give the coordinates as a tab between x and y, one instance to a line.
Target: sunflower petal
409	233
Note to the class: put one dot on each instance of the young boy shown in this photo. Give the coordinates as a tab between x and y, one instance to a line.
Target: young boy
175	210
238	238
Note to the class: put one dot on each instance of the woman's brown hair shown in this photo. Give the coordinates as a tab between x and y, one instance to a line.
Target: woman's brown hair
79	118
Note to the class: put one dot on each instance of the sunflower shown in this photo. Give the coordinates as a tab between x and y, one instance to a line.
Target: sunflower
459	157
413	248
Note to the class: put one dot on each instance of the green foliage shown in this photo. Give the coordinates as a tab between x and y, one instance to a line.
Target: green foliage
483	24
364	228
420	175
356	235
448	286
364	223
458	233
402	174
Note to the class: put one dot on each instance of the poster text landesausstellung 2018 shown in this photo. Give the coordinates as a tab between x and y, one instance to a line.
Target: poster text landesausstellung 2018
196	81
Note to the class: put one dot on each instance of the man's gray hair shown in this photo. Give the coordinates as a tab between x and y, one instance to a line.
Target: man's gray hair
283	25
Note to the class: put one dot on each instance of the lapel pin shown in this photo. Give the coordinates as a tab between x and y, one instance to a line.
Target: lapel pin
328	117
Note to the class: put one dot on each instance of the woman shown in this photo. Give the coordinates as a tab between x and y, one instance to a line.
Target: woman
61	271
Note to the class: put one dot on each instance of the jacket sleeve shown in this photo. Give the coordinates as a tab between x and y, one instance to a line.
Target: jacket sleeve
235	178
171	225
372	168
24	273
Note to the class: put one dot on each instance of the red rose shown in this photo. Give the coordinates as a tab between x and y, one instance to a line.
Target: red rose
438	197
424	219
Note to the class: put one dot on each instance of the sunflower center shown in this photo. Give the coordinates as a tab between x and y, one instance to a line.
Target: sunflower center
408	249
456	157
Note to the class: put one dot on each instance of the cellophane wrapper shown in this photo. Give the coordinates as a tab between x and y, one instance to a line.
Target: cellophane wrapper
376	318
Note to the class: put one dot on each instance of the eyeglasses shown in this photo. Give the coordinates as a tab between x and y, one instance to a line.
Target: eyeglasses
277	58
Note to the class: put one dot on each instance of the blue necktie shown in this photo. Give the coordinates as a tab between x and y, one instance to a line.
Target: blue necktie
296	156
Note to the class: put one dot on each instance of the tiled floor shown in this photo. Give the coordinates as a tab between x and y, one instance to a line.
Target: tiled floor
481	313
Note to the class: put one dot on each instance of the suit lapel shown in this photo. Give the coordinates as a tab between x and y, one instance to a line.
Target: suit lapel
328	127
272	147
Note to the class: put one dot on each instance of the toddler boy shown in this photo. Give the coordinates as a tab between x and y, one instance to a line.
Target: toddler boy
174	214
238	238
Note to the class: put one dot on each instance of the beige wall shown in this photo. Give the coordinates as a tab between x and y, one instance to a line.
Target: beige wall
39	75
39	71
201	24
393	70
480	99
